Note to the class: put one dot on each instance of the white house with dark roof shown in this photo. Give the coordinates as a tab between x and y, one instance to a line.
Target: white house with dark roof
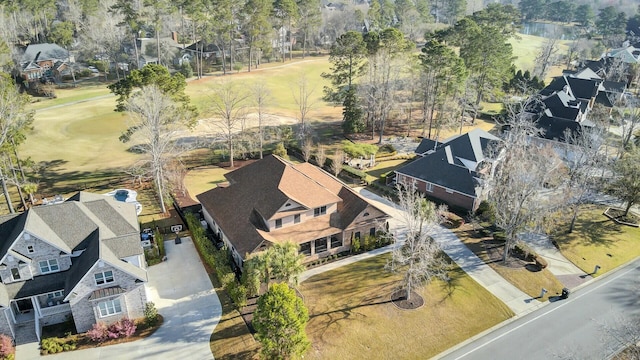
80	258
452	171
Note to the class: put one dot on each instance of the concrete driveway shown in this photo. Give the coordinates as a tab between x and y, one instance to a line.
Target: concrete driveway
183	294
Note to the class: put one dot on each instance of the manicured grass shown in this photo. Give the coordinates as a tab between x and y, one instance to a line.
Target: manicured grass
385	167
597	240
351	316
527	47
530	282
205	178
282	80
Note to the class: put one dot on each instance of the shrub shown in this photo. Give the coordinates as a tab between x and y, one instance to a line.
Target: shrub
366	243
159	239
541	263
51	346
486	212
150	313
499	236
355	245
98	332
124	327
354	172
7	350
280	151
238	294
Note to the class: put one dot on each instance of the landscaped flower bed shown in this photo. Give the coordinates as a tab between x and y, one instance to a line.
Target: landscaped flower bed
619	217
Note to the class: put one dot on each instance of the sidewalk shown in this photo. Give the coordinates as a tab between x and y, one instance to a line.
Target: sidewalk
519	302
563	269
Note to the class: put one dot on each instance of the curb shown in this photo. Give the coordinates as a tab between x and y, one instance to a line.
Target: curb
526	312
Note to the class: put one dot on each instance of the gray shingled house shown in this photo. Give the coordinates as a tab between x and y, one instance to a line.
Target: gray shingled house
452	172
273	200
80	258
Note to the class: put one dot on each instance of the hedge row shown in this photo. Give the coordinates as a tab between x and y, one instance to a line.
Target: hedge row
218	260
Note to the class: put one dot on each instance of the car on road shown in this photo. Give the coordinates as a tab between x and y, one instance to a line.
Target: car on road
93	69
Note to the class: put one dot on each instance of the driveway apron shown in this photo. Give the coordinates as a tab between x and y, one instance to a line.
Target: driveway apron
184	296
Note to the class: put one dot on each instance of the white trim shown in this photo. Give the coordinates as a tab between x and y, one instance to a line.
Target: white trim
49	266
111	302
440	186
104	278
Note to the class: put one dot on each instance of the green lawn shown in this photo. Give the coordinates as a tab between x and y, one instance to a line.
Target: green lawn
596	240
527	281
384	168
527	47
351	316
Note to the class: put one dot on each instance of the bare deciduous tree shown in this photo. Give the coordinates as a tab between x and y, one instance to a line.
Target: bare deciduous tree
261	99
307	148
547	56
581	157
321	156
525	167
419	258
303	96
336	162
228	106
156	119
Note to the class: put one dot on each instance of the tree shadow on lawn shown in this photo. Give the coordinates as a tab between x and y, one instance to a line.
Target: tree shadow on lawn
596	231
53	179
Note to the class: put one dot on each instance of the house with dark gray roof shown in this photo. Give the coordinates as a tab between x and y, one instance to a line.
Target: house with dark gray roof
44	60
453	171
273	201
81	258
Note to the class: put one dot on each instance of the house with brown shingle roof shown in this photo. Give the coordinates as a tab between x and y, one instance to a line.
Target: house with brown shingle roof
273	201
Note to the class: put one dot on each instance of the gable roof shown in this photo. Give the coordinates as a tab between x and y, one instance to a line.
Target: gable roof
99	226
437	168
425	146
44	52
257	191
554	128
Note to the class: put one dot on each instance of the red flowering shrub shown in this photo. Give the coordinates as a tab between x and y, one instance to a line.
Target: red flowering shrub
7	350
98	332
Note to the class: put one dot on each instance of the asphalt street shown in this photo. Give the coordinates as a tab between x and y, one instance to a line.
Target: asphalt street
573	328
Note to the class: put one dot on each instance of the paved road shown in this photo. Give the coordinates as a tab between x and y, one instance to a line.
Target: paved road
571	328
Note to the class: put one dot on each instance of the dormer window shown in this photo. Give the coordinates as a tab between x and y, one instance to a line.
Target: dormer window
15	274
48	266
104	277
30	249
320	211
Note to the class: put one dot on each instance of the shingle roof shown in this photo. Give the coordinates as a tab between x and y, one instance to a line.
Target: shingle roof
38	285
103	228
436	168
555	128
47	52
425	145
260	189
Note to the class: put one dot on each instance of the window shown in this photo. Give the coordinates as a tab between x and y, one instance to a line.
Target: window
335	242
55	294
15	273
305	248
296	218
47	266
320	211
104	277
278	223
357	235
109	307
30	249
320	245
372	231
429	187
